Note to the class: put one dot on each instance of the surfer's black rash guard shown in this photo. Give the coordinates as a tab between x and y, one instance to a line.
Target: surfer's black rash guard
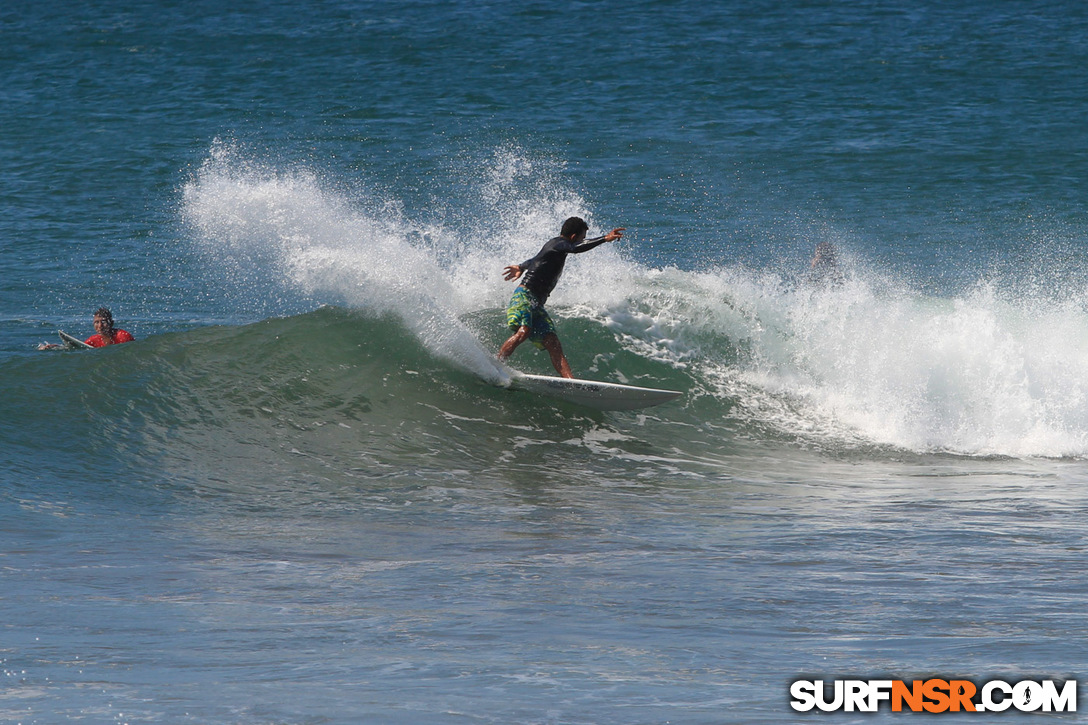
542	272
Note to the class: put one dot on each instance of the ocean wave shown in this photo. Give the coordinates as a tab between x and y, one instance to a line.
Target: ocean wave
837	370
872	362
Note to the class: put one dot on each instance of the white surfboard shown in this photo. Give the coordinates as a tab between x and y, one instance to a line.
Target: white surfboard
594	394
73	343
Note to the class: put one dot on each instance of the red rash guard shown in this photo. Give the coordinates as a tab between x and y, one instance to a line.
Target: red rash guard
119	336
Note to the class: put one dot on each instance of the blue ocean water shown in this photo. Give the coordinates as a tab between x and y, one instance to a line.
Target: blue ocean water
303	496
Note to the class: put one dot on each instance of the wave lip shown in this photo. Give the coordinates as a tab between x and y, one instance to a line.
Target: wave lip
273	231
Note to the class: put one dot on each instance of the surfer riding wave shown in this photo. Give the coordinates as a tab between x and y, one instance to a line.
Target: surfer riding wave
526	316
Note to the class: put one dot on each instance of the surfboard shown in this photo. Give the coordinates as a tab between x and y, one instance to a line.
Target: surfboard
592	393
73	343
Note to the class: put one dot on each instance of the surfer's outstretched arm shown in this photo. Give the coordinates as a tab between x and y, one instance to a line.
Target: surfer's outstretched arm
585	245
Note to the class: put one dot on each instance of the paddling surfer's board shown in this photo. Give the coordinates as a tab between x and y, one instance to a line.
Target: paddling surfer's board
594	394
73	343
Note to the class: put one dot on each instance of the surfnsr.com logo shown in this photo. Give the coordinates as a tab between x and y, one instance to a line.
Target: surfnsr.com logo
934	695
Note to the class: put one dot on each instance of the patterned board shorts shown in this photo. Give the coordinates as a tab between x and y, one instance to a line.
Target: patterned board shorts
525	311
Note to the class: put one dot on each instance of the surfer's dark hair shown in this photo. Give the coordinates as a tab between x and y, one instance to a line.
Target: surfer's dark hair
105	314
574	226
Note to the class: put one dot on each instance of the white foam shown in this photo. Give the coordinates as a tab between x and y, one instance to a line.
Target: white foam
873	360
285	226
981	373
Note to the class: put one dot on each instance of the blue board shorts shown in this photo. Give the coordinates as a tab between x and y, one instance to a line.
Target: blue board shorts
525	311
